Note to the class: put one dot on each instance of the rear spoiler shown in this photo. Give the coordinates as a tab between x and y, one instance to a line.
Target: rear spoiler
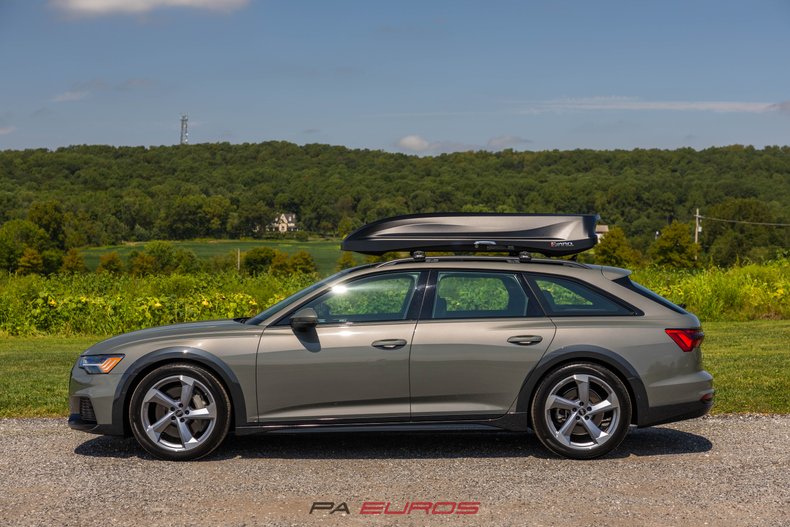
548	234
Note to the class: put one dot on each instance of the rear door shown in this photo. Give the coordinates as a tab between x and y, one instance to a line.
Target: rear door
480	334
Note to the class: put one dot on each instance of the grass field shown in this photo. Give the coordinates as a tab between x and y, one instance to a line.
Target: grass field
749	360
325	252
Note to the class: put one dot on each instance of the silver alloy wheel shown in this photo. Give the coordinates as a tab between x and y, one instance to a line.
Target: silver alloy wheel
582	411
178	413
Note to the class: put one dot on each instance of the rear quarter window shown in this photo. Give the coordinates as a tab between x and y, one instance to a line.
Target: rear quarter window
566	297
651	295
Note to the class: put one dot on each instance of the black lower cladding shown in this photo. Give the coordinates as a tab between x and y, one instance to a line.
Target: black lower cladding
671	413
86	410
77	423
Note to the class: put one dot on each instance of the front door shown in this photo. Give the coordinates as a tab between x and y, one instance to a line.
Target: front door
481	334
353	364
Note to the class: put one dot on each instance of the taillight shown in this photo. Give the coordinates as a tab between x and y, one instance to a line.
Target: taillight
686	339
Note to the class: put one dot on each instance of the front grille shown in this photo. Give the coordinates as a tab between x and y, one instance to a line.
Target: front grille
86	410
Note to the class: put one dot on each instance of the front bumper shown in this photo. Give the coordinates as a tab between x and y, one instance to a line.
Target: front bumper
91	399
77	423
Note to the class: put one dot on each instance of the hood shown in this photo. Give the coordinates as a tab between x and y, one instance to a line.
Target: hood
184	330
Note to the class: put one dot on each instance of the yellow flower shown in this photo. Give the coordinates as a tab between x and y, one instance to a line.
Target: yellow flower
157	304
52	302
205	303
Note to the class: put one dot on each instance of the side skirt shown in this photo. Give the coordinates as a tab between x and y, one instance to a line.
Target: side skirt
516	422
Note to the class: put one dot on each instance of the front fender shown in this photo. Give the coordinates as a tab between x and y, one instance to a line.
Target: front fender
171	354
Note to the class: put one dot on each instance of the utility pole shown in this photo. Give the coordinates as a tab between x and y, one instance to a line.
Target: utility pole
184	130
697	227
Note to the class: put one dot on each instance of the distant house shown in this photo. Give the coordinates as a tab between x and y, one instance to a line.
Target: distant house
601	230
285	222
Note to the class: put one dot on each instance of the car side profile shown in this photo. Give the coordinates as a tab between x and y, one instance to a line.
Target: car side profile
578	353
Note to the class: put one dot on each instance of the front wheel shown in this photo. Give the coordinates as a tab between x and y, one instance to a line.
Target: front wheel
581	411
179	412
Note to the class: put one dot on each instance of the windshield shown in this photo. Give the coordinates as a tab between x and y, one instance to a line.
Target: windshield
271	310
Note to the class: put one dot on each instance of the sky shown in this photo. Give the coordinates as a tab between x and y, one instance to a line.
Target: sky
420	77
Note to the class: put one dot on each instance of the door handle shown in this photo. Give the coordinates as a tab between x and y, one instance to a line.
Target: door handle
525	340
389	344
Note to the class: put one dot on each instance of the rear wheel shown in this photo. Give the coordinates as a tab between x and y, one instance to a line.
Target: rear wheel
581	411
179	412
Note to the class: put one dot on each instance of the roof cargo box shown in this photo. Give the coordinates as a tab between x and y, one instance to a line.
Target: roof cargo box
549	234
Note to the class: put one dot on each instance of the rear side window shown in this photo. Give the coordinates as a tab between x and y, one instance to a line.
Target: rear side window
651	295
564	297
481	295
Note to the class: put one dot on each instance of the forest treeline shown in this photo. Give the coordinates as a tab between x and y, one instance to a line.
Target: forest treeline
101	195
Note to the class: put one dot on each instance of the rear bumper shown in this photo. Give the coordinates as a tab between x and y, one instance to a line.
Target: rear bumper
674	412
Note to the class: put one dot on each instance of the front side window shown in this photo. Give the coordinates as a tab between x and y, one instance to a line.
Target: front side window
481	295
571	298
379	298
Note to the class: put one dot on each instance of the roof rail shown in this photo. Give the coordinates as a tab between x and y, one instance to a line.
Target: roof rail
509	259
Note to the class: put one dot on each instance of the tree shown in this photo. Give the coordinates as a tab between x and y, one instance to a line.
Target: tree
258	260
280	265
346	261
15	237
49	216
614	249
52	259
186	261
110	263
161	256
30	262
303	262
142	264
674	247
73	263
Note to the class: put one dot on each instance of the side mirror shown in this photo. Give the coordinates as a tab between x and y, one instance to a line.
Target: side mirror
304	319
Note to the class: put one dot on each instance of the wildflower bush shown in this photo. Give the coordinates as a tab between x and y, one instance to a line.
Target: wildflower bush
749	292
105	304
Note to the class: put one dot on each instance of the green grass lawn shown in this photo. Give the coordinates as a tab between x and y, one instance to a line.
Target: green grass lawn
325	252
749	360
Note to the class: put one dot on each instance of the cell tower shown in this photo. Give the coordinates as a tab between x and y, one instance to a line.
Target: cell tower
184	130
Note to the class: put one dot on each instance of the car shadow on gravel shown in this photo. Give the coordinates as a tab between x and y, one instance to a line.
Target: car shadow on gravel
406	445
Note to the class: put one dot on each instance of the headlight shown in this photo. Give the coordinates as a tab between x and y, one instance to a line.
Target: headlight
99	363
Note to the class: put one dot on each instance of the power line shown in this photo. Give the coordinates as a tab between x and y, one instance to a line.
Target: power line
744	222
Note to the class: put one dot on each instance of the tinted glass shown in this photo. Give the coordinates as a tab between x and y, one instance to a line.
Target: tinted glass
480	295
373	299
568	297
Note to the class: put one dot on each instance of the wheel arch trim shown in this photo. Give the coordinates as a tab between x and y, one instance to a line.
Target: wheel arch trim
577	353
172	354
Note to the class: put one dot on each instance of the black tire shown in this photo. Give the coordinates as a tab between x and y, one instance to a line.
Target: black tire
556	407
170	428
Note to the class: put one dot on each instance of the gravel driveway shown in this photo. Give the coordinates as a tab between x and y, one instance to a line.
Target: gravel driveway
721	471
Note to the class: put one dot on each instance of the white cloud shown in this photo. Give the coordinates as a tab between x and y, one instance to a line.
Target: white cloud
111	7
69	96
634	103
85	89
5	130
507	141
420	145
413	143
